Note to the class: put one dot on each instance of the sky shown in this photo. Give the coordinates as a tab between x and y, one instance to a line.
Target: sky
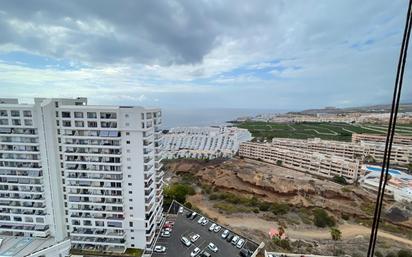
204	54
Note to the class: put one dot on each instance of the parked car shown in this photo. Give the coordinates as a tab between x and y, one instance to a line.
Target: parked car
193	216
217	228
225	234
167	225
245	253
160	249
167	229
240	243
205	254
205	221
200	220
180	209
188	215
212	247
185	241
234	240
195	252
165	234
212	227
170	223
194	238
229	237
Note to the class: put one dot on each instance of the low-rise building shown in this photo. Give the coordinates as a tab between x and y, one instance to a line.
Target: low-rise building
398	139
315	163
400	154
203	142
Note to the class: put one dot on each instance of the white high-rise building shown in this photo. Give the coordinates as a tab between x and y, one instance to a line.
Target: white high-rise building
90	173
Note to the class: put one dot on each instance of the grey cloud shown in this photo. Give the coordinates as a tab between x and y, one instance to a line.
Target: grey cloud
162	32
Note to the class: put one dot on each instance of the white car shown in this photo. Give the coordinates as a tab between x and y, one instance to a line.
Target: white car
212	227
194	238
225	233
185	241
217	228
234	240
165	234
240	243
195	252
200	220
160	249
180	209
212	247
205	221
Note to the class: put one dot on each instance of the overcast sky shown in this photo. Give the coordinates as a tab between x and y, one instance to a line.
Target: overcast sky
201	54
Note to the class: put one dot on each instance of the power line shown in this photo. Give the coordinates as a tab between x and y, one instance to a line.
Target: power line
391	131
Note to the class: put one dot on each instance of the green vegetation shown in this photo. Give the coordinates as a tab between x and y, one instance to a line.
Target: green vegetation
128	253
134	252
304	130
284	244
336	234
177	192
401	253
340	180
322	219
230	208
234	203
279	162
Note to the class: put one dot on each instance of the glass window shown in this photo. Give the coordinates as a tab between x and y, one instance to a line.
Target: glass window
15	113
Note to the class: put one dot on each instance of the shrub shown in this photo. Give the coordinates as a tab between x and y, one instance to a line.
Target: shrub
404	253
322	219
340	180
188	205
279	208
264	206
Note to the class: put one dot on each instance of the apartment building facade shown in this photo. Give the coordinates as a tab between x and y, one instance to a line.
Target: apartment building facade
398	139
401	154
91	173
203	142
303	160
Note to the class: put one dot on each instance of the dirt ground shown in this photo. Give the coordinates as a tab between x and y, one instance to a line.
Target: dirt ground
251	221
275	184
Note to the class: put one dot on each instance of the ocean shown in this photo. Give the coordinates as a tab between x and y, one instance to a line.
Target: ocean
207	117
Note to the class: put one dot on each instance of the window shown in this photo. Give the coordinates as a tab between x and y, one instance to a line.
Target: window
27	114
129	184
142	115
3	113
15	113
128	142
131	208
67	123
130	200
78	115
129	167
92	124
127	150
126	115
130	192
4	122
16	122
129	159
108	115
92	115
79	124
28	122
127	133
65	114
127	124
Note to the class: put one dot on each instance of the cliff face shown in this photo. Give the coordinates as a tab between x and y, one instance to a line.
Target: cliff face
275	184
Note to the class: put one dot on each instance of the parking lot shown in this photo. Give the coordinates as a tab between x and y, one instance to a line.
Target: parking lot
187	227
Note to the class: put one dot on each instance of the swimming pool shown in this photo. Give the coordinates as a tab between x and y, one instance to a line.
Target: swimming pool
379	169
